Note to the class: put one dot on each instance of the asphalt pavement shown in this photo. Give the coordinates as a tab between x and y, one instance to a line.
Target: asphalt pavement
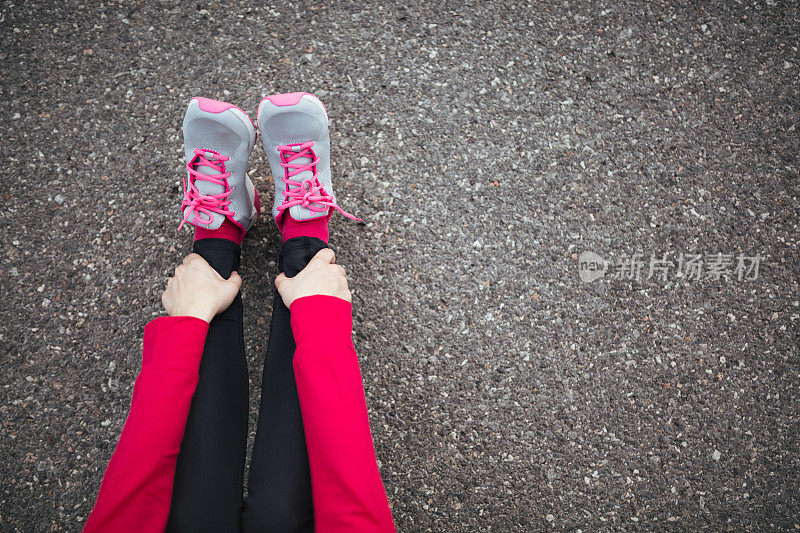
487	145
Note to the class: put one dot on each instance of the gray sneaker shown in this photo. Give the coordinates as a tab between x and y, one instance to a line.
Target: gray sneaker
294	131
218	138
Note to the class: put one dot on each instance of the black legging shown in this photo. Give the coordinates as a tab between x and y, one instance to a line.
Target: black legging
207	495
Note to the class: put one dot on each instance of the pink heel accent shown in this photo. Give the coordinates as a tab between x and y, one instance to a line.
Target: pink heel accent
258	204
216	106
286	99
212	106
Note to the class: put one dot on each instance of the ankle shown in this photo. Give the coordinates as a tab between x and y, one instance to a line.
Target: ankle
228	230
291	228
222	254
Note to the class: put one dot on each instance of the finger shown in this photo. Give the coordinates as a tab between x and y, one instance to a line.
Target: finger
323	257
191	257
236	280
280	280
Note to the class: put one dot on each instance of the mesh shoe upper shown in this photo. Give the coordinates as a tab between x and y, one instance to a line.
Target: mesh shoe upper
218	139
294	132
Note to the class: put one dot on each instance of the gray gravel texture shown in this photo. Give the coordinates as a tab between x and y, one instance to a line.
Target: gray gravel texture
486	144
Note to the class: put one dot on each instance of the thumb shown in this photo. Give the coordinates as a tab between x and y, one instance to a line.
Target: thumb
280	280
323	257
235	280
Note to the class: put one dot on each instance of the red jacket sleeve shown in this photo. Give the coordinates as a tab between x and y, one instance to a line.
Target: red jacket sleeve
137	487
346	485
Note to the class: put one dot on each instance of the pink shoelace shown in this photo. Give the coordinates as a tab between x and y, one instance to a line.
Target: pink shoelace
205	204
309	191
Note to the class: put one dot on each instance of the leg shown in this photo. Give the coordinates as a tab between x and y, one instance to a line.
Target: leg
207	495
279	485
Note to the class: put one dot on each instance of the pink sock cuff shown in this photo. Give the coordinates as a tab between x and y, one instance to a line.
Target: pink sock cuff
291	228
228	230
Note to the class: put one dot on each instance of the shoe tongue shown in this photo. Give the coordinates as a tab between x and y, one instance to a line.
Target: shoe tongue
205	186
306	174
209	188
195	217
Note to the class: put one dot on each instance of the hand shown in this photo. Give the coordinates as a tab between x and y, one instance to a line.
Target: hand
320	276
198	290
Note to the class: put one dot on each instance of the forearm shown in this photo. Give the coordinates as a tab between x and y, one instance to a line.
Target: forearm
137	486
347	489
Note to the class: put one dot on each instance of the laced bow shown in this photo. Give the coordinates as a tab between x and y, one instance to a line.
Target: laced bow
205	205
309	193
